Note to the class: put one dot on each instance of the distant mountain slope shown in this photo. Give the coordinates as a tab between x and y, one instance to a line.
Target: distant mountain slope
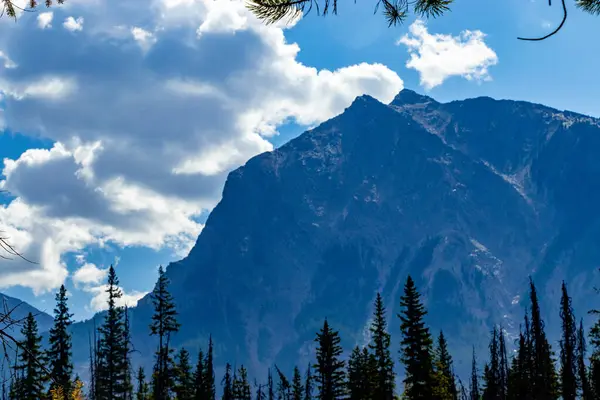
469	197
19	311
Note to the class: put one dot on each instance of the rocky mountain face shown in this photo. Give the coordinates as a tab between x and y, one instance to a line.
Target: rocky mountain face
469	197
19	310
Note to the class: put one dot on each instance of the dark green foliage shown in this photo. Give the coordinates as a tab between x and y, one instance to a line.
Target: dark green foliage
594	376
362	375
199	385
244	384
270	386
227	384
582	373
503	376
209	391
297	387
329	368
308	384
142	386
31	375
284	387
164	324
445	385
260	393
492	386
395	11
59	354
568	366
184	377
415	345
520	370
128	384
474	385
111	369
544	383
380	346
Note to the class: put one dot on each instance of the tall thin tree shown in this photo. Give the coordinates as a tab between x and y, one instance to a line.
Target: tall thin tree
416	345
380	346
59	353
329	368
164	324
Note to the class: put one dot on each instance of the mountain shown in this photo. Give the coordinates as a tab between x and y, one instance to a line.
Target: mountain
19	310
469	197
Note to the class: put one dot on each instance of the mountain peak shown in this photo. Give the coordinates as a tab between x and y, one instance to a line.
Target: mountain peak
407	96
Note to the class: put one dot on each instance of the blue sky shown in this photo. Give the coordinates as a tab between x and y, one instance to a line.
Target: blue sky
121	120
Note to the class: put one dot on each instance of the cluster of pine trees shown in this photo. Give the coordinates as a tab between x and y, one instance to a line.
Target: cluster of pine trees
533	372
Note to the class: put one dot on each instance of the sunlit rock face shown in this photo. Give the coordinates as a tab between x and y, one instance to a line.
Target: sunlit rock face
469	198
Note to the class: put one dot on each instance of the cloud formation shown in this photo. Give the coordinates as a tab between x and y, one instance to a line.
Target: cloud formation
149	106
437	57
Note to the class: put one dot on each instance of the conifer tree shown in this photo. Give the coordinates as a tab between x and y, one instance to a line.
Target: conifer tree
236	386
544	385
59	354
594	376
568	367
93	345
128	384
582	372
308	384
209	373
491	375
30	370
164	324
330	374
415	345
503	364
474	386
445	386
520	371
245	392
199	385
142	386
380	346
111	368
260	393
359	376
270	386
184	377
227	384
297	388
284	387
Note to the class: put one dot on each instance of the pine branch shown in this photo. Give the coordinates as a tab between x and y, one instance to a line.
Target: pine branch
590	6
10	8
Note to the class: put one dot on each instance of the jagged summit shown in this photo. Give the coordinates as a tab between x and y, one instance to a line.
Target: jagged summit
407	96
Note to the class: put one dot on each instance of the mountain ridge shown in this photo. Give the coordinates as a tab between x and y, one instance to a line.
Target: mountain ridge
470	197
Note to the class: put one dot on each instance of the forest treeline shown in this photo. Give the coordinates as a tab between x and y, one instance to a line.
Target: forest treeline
533	371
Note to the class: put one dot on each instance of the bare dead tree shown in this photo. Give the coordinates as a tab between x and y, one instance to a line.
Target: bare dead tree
8	342
7	250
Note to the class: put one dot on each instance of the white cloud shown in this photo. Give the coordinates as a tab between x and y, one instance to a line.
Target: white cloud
145	139
45	20
73	24
89	274
144	38
437	57
100	298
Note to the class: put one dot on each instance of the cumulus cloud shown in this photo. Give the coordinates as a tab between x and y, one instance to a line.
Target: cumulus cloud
145	139
89	273
45	20
73	24
437	57
100	298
